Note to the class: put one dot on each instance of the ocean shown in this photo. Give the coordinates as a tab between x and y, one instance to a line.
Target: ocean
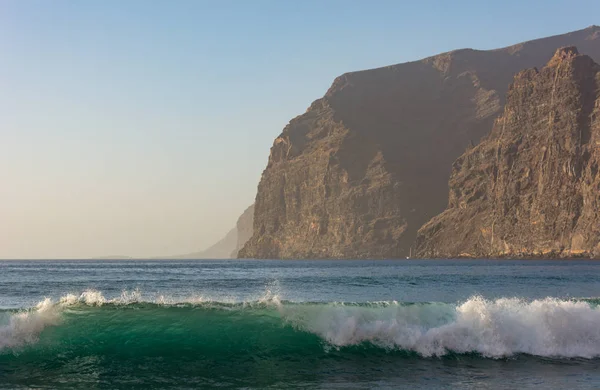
464	324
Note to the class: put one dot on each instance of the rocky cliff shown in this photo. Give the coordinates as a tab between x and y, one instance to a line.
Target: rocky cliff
368	164
532	187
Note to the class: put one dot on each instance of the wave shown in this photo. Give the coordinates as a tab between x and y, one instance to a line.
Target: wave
270	327
24	327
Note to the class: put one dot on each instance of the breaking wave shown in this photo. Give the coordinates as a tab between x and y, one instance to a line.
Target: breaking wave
268	327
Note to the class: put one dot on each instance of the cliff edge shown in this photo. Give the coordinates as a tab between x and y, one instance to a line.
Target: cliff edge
368	164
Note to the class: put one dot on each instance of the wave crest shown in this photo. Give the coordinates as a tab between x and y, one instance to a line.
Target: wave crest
492	328
498	328
25	327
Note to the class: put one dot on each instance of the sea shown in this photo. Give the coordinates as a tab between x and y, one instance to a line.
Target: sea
346	324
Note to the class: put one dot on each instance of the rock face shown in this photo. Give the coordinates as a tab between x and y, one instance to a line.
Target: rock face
368	164
532	187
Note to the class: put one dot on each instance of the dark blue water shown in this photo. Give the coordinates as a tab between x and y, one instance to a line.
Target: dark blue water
300	324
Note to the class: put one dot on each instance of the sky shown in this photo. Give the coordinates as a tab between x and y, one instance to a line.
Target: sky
141	127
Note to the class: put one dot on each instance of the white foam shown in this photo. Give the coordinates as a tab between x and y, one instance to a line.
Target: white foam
25	327
498	328
493	328
96	298
270	298
128	297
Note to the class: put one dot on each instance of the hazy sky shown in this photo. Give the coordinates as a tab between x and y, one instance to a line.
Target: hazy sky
141	128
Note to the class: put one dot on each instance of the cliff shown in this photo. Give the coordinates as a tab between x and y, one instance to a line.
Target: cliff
531	188
368	164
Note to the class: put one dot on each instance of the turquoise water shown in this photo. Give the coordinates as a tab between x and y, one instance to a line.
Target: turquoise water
299	324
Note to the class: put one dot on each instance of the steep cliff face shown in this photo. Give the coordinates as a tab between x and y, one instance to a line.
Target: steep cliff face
368	164
531	188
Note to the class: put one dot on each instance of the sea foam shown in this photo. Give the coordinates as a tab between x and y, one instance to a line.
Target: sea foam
24	327
492	328
498	328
